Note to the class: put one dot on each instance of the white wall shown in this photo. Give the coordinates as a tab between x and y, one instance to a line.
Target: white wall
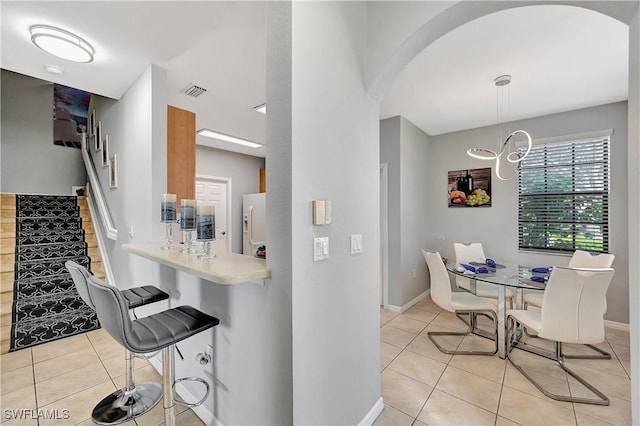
497	227
404	147
327	149
390	141
401	30
137	129
244	171
634	209
390	23
30	162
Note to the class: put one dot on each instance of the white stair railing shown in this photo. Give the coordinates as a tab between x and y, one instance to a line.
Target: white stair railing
95	195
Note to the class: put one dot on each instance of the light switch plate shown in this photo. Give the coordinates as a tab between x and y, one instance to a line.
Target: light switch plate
320	248
356	244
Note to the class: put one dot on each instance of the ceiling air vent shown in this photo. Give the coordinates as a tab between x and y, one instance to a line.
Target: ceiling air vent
193	90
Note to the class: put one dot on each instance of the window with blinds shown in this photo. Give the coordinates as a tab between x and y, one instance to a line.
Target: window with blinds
563	202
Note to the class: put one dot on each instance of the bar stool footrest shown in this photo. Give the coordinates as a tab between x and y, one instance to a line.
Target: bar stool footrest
192	379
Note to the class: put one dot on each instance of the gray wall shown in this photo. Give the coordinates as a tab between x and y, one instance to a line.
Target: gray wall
244	171
497	227
30	162
404	147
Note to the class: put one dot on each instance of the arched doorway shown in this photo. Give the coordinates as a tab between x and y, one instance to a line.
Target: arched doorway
395	54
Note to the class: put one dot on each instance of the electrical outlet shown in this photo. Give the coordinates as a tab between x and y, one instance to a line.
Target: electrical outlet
206	357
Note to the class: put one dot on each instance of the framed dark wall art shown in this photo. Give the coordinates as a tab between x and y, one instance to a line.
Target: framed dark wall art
97	136
105	151
70	115
92	123
113	171
469	188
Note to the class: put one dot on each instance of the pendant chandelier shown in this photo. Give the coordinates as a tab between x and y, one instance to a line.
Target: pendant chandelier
508	149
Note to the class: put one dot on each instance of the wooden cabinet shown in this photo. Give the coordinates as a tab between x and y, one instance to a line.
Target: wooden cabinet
263	179
181	153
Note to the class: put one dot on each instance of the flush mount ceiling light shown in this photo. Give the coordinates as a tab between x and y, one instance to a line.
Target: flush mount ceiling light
61	43
54	69
509	148
262	109
227	138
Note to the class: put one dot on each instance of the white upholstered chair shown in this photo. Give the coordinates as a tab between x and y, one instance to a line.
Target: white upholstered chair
571	312
459	303
580	259
473	252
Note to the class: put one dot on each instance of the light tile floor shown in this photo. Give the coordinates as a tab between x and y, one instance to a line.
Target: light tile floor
423	386
73	374
420	385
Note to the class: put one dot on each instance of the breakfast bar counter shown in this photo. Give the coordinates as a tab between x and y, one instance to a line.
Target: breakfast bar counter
226	268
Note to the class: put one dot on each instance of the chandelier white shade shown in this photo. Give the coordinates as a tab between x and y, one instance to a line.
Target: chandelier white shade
61	43
508	150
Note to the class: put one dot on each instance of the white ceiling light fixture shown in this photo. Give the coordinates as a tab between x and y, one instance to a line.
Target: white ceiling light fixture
54	69
228	138
61	43
262	109
509	147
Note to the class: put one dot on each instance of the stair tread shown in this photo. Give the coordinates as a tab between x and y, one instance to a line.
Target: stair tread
43	232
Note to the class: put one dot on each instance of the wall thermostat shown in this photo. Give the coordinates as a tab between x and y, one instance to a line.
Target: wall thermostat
321	212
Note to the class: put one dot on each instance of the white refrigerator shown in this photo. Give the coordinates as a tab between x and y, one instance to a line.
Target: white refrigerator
253	222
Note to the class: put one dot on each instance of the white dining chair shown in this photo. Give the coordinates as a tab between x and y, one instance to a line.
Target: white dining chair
571	312
473	252
580	259
459	303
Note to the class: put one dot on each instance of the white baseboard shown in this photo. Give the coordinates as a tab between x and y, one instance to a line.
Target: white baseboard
617	325
373	414
201	411
401	309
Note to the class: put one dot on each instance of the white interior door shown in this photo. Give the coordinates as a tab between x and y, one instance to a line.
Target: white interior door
217	190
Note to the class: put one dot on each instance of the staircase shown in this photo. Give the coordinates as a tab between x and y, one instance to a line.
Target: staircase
39	302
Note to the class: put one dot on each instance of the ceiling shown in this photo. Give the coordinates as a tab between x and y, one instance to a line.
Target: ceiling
216	45
561	58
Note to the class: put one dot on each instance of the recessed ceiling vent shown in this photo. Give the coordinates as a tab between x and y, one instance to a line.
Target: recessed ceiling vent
193	90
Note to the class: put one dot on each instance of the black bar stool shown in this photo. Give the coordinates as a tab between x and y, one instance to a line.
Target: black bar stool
134	399
159	331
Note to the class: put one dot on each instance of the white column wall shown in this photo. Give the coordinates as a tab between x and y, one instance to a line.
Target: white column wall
328	149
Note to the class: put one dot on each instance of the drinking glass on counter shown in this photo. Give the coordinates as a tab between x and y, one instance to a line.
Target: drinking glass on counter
206	227
168	216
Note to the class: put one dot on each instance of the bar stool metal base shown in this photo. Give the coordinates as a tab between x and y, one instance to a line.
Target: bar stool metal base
123	405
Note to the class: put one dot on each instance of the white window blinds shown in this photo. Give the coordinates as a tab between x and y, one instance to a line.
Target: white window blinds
564	196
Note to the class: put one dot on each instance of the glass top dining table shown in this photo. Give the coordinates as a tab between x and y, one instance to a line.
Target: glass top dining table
502	276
